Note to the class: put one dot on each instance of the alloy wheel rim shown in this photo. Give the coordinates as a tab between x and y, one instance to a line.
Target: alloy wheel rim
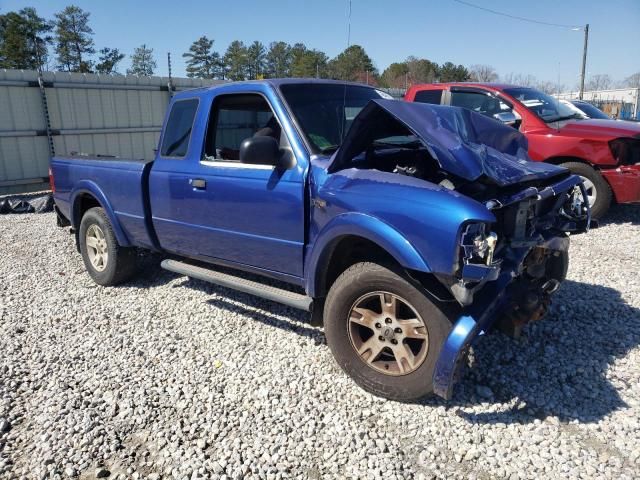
387	333
590	188
97	248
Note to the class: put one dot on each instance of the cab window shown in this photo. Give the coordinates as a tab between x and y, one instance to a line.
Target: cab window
479	102
235	118
429	96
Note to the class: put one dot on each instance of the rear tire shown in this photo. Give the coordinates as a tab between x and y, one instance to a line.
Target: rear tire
393	355
106	262
594	183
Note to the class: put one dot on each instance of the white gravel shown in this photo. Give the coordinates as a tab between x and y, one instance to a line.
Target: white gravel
170	378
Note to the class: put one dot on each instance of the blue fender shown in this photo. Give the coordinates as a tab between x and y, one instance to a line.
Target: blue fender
364	226
91	188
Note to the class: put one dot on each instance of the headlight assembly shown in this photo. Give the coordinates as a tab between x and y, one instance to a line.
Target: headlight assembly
478	244
626	151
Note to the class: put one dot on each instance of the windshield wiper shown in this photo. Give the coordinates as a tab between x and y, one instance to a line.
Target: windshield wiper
566	117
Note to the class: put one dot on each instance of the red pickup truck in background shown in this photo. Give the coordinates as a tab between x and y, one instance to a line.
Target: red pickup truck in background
605	153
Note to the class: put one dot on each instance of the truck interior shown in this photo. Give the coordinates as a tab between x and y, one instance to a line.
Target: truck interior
235	118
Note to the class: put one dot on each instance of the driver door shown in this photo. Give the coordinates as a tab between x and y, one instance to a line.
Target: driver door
244	214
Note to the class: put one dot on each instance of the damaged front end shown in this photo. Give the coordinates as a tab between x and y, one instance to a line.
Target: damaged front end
504	271
512	285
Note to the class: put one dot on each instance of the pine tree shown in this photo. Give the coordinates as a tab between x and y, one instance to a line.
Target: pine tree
256	57
449	72
24	40
307	63
109	59
142	62
73	40
352	64
236	61
278	60
203	61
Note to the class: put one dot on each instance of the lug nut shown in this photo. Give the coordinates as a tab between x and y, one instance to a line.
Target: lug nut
394	341
381	338
378	325
398	330
387	320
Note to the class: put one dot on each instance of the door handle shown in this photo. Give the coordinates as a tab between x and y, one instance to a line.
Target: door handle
198	183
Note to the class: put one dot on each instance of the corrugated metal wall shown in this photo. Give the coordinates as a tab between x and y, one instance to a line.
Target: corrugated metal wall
114	115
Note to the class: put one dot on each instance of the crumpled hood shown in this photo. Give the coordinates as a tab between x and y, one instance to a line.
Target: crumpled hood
464	143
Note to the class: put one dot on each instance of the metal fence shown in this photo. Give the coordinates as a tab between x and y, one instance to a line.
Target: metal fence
61	113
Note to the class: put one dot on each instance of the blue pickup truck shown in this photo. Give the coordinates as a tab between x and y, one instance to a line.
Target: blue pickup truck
406	229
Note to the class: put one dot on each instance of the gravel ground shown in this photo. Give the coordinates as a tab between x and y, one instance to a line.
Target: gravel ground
170	378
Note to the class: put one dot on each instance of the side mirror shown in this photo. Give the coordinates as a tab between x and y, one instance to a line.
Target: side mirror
508	118
265	150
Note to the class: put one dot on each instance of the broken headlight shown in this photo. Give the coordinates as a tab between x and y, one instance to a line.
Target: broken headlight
478	244
626	151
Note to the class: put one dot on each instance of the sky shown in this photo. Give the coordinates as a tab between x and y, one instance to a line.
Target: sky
439	30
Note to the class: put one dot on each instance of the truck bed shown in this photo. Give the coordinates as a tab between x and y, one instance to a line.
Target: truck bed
119	184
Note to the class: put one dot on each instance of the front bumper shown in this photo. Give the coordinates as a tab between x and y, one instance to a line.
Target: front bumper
476	318
624	182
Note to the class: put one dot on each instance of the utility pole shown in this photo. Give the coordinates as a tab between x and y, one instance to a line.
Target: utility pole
170	83
584	60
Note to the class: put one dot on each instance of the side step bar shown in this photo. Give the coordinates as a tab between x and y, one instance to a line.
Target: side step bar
291	299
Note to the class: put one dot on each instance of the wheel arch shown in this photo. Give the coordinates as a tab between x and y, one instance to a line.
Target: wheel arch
350	238
88	195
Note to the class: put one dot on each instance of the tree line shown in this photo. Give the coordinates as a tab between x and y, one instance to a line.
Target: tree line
26	38
65	43
26	42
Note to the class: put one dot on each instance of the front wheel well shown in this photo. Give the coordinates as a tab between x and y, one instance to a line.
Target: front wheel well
346	251
351	249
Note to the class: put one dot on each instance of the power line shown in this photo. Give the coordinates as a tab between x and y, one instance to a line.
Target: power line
516	17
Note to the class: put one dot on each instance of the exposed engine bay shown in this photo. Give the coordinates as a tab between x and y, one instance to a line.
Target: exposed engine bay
411	159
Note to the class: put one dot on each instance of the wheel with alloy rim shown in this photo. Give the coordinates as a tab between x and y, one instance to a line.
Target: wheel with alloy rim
97	247
598	190
388	334
106	261
384	331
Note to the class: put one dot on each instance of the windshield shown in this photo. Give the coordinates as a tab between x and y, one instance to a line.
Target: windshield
545	106
325	111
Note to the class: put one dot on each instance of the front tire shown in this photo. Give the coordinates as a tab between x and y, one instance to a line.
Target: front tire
106	262
384	332
598	190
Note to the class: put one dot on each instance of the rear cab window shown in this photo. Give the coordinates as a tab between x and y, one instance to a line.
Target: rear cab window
429	96
177	132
